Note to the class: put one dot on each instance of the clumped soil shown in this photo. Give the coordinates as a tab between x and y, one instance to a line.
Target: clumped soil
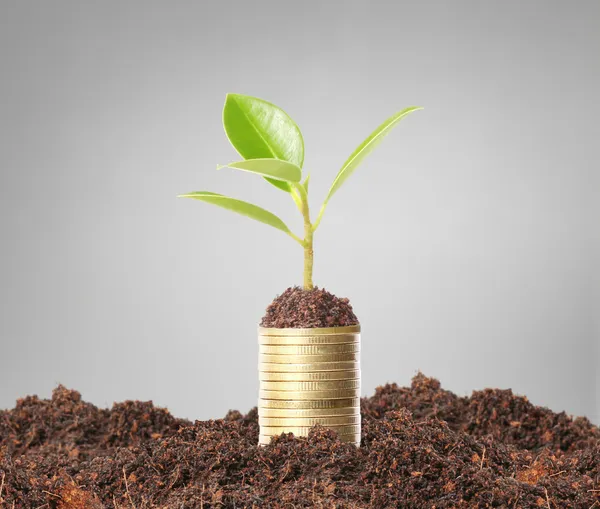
299	308
422	447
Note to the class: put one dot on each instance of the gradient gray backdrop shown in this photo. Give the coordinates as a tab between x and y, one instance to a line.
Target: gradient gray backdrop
467	243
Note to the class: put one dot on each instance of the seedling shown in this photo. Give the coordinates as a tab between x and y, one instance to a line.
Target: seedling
272	146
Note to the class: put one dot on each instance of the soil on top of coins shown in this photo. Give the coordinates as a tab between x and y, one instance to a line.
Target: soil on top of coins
298	308
422	447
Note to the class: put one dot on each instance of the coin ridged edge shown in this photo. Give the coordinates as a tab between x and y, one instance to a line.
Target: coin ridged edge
309	395
344	435
315	367
340	348
328	339
354	438
308	404
319	376
344	429
308	359
311	385
337	420
305	413
317	331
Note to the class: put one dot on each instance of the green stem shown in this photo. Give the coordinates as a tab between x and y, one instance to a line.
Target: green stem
308	257
296	238
297	199
308	239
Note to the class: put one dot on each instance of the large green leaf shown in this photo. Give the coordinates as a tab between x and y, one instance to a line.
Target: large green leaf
277	169
365	148
241	207
258	129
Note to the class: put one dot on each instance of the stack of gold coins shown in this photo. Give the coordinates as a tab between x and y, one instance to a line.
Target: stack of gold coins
309	377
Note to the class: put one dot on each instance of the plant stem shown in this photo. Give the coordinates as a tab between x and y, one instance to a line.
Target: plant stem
308	256
296	238
297	199
308	239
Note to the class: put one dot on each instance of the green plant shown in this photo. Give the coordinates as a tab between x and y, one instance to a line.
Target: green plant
272	146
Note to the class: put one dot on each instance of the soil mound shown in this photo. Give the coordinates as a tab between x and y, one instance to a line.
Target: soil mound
422	447
298	308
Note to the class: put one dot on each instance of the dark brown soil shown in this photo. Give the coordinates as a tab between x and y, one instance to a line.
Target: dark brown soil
299	308
422	447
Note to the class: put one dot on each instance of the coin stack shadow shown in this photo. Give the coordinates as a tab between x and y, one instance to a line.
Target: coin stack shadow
309	377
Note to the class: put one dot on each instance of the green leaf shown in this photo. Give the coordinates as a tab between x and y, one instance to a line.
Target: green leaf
284	186
274	168
365	149
306	182
258	129
241	207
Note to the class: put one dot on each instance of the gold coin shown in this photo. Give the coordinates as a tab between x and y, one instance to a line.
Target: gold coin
308	349
304	430
304	368
310	386
309	395
307	404
328	339
356	434
353	374
301	413
350	438
309	421
350	329
351	435
308	359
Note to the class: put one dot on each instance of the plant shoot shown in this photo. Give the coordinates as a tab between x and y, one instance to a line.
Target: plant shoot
272	146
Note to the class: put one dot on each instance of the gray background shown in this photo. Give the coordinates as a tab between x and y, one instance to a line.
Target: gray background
467	243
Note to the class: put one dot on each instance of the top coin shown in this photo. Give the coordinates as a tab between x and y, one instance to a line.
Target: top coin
317	331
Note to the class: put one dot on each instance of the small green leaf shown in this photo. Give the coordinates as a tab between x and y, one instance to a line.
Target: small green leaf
306	182
274	168
258	129
365	149
241	207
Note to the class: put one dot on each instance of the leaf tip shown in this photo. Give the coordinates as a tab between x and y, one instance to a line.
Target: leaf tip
231	96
